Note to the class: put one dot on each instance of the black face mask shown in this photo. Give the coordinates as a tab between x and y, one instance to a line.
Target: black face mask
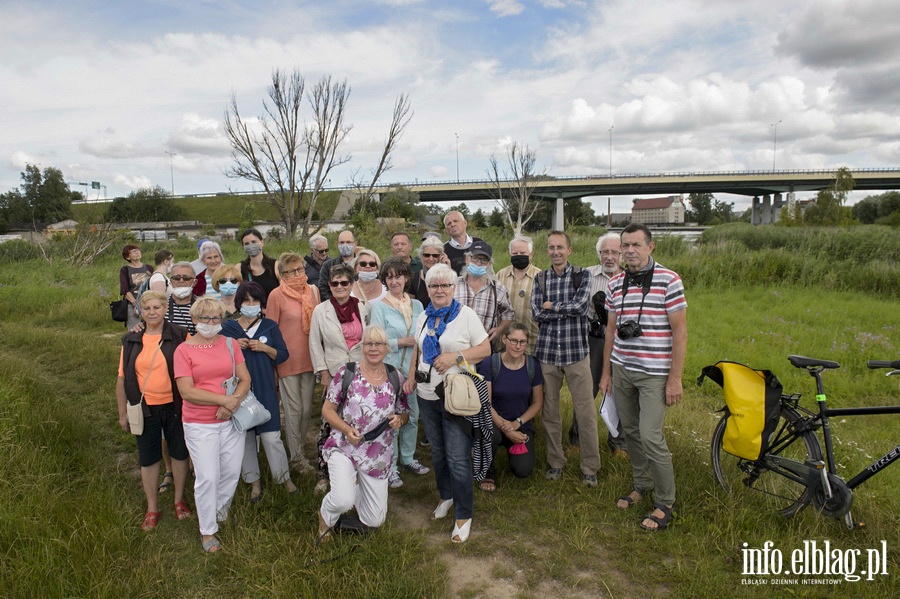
519	262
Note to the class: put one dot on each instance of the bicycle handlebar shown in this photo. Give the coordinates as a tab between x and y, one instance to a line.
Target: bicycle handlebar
895	364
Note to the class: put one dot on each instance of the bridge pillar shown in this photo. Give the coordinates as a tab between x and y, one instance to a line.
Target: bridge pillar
559	217
766	217
754	211
777	205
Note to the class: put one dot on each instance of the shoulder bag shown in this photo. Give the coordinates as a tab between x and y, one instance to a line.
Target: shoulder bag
251	413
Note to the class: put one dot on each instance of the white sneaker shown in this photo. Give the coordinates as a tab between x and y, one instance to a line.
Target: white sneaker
416	467
394	480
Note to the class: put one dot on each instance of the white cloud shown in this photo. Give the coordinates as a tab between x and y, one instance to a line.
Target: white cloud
505	8
438	172
132	182
195	134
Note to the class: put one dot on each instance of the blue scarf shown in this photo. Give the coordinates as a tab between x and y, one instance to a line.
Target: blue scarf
431	346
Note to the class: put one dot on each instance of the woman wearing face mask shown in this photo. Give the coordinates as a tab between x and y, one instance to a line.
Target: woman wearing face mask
264	348
291	306
368	288
225	281
203	373
257	266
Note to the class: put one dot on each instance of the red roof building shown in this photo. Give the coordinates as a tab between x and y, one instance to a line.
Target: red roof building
658	211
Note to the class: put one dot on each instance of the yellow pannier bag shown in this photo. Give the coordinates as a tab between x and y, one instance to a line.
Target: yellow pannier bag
753	405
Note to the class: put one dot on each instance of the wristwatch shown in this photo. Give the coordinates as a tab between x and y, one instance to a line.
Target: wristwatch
521	424
459	358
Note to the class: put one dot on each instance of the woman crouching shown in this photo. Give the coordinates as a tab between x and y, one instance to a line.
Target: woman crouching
359	457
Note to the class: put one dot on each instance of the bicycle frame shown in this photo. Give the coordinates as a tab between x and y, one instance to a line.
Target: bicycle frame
825	413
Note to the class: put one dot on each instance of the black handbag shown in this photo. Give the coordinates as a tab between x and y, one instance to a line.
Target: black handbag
119	310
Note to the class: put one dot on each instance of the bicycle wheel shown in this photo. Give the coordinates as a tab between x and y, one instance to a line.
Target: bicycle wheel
780	492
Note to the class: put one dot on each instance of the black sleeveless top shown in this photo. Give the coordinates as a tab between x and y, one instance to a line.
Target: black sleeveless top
267	279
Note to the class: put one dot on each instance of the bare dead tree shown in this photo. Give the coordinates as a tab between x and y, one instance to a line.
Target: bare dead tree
513	188
400	119
285	155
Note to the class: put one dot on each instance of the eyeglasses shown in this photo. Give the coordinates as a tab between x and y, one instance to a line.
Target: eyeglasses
368	264
443	286
181	278
321	252
373	345
337	284
210	319
431	256
481	260
292	273
517	342
222	281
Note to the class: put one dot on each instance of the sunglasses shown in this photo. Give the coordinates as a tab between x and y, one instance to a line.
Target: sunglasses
223	280
368	264
181	278
321	252
336	284
431	255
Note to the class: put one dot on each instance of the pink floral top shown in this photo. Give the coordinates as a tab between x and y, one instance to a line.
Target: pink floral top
366	407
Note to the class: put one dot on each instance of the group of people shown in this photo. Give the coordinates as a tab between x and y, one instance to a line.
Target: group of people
382	338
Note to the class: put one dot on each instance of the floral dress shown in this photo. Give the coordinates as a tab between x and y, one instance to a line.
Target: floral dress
365	408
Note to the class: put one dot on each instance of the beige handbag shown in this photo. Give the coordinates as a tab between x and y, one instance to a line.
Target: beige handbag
460	394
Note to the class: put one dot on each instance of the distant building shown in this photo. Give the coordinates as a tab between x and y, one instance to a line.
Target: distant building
658	211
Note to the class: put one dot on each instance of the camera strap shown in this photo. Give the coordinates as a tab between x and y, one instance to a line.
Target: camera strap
646	283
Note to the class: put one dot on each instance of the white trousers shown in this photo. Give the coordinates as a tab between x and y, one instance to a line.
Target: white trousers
275	455
350	489
217	450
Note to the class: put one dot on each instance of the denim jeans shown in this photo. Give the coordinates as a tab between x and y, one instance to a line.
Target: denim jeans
451	453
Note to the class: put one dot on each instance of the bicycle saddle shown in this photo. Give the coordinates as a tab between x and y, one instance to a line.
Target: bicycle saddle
804	362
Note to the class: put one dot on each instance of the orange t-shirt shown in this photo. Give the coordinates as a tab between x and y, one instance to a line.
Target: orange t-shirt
158	389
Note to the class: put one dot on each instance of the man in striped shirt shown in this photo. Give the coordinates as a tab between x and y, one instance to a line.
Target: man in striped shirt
644	354
559	306
182	298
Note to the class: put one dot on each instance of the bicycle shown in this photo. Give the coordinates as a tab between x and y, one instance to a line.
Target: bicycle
793	472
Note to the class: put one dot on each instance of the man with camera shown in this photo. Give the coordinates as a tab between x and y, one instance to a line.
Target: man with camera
559	302
609	252
642	365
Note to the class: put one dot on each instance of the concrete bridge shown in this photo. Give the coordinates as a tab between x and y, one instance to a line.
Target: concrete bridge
767	188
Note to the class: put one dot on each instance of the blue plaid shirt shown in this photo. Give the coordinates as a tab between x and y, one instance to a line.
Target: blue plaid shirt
563	335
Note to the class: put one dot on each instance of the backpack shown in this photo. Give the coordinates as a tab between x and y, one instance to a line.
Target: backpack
495	367
144	286
753	403
577	278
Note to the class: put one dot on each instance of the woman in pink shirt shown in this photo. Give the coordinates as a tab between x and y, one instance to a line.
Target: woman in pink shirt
212	380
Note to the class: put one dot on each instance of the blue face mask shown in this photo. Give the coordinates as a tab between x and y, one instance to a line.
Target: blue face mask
250	311
476	271
228	288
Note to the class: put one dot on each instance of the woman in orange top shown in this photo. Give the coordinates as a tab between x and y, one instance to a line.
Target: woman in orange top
291	305
146	377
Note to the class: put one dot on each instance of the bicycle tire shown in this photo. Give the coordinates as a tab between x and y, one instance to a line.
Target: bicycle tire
736	474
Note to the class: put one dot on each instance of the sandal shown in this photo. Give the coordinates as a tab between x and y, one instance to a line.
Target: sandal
487	485
211	546
182	510
150	521
460	534
165	485
661	522
630	499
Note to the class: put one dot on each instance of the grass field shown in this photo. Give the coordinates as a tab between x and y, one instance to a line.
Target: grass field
70	498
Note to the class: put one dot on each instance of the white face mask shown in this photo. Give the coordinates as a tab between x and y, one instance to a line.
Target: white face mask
181	292
367	276
208	330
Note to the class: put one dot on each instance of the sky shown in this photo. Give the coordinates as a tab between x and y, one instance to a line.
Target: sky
133	94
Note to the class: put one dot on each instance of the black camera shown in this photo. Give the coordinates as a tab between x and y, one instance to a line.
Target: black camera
596	328
423	377
629	329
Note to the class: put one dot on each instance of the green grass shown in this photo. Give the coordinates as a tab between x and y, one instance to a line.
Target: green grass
219	210
71	503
